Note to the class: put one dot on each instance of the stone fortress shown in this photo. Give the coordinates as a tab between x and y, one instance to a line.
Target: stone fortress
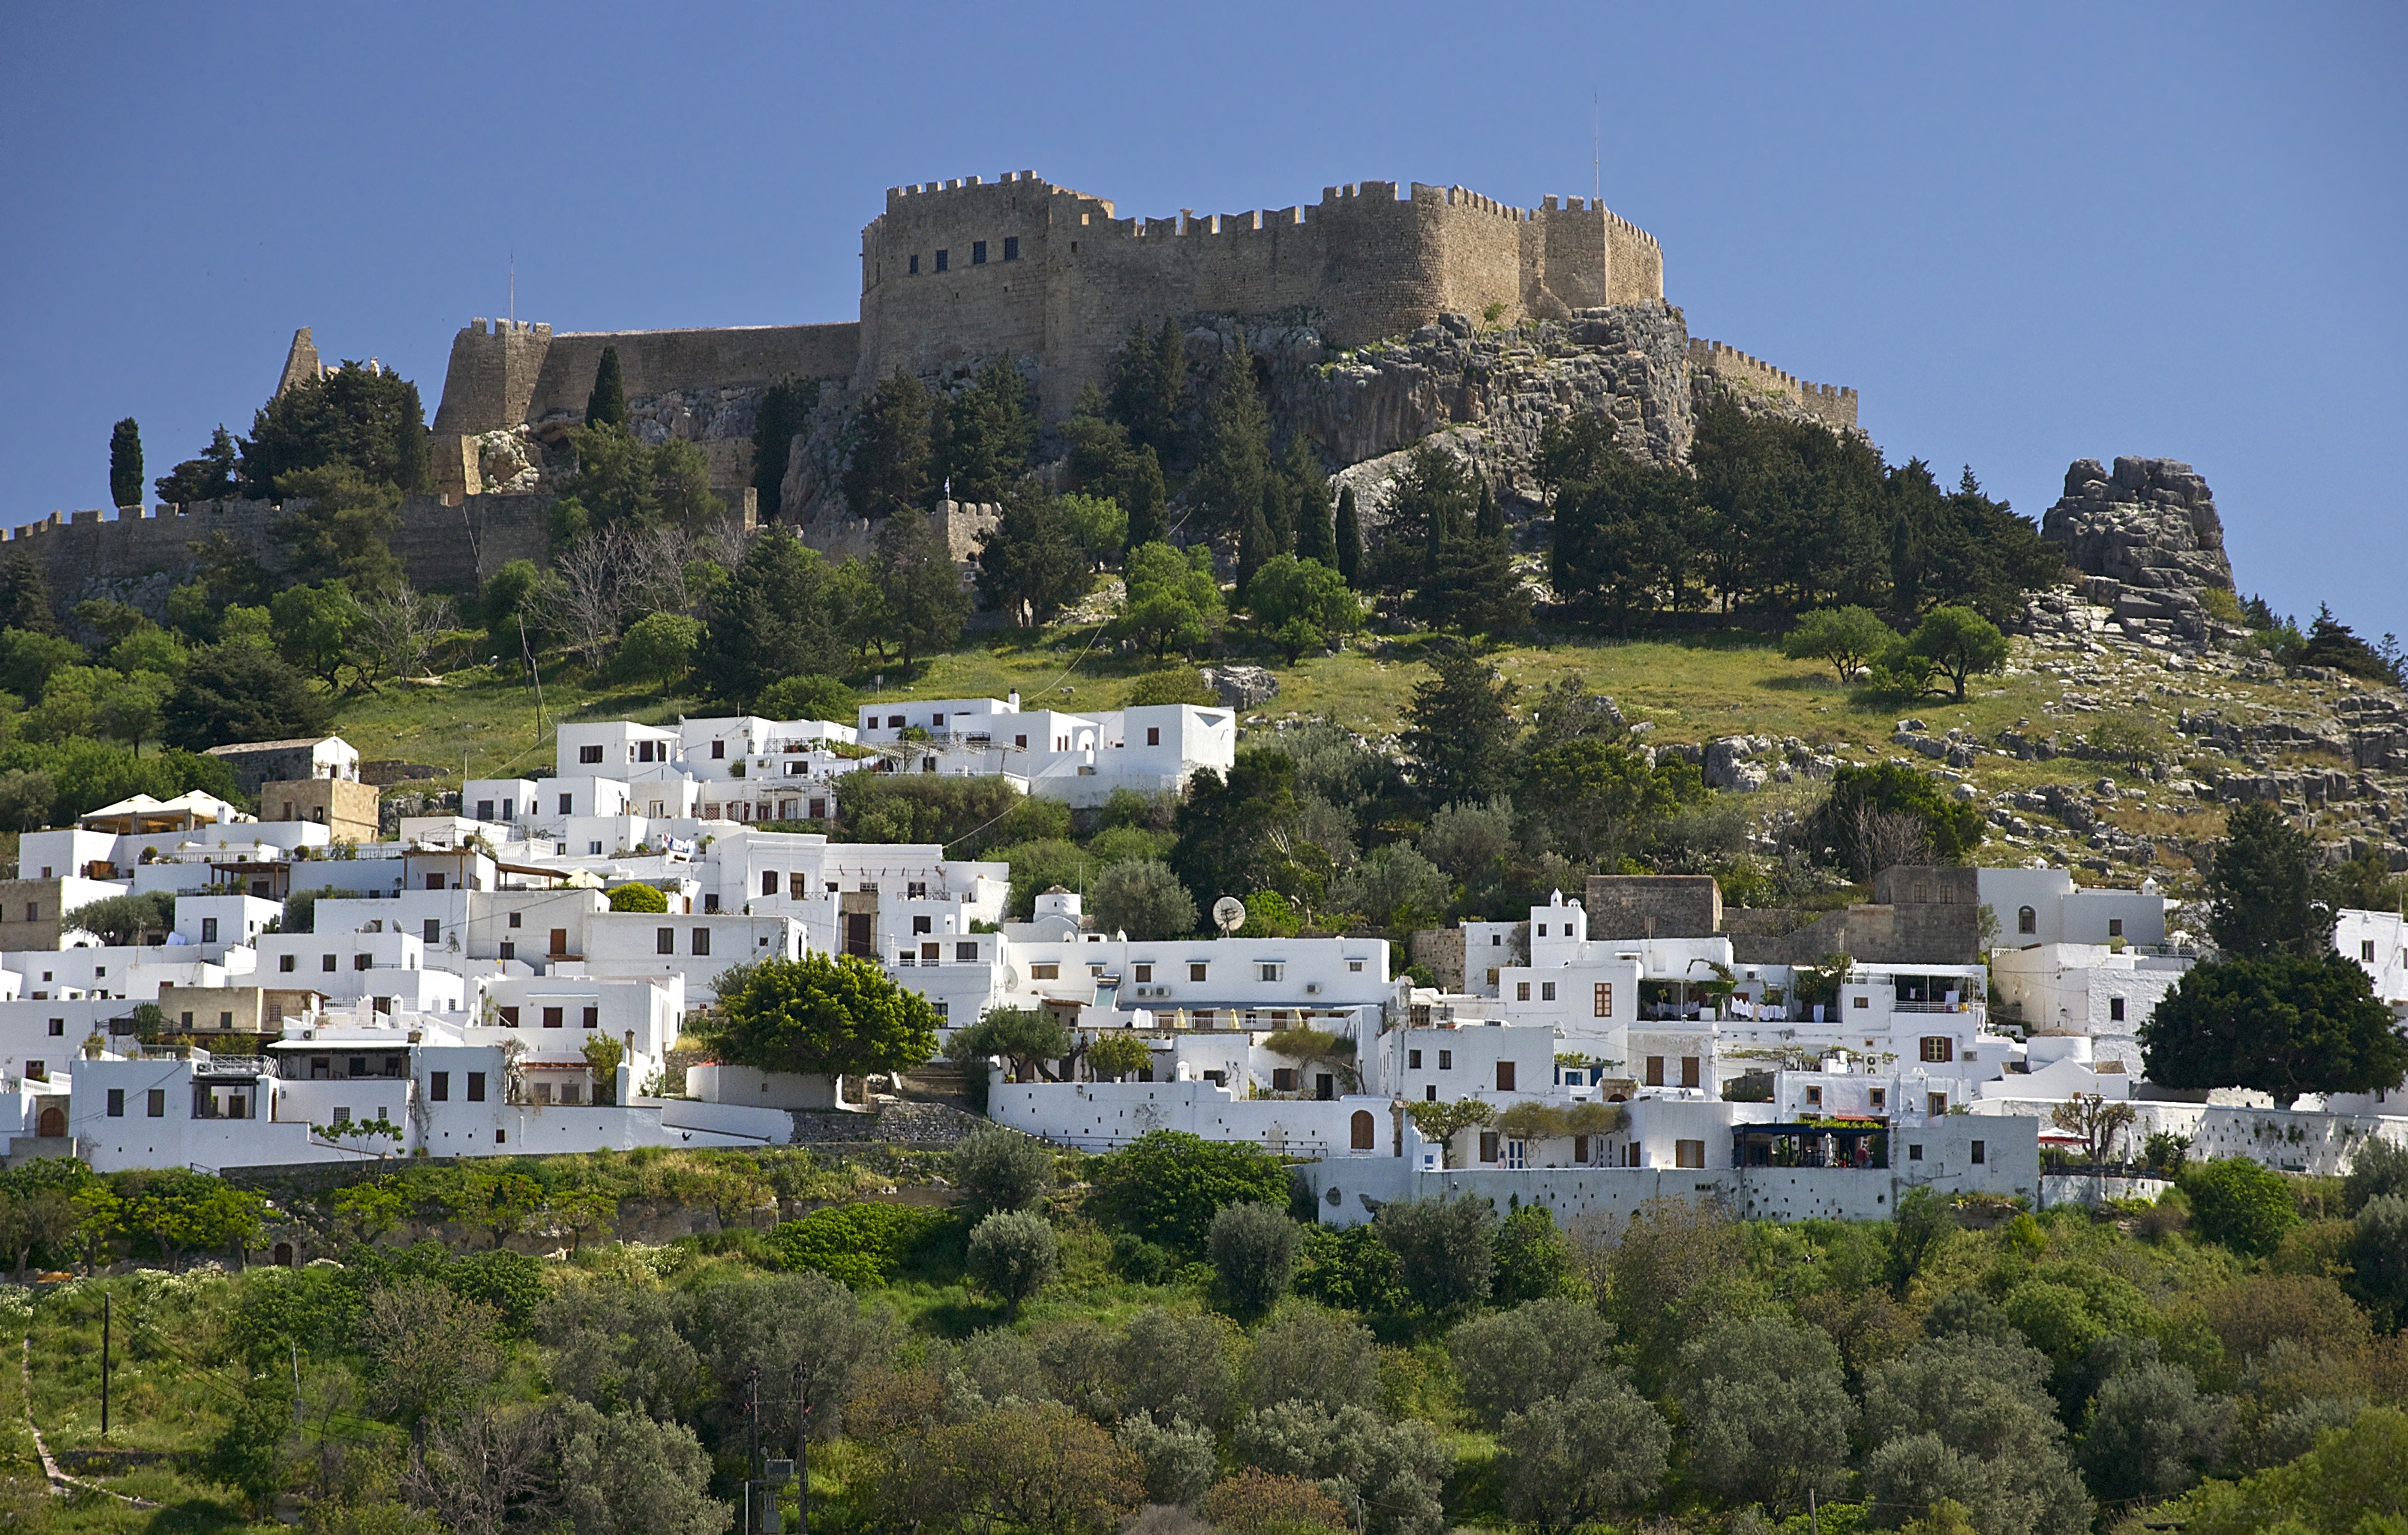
1378	316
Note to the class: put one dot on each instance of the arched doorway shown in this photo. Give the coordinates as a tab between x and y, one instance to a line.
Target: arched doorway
52	1125
1361	1130
283	1255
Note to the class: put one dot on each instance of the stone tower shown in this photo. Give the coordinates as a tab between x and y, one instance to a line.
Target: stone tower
300	362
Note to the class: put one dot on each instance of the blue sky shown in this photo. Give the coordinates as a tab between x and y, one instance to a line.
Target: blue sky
2027	234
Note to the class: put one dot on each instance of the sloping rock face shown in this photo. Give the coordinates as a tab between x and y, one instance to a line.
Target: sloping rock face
2150	531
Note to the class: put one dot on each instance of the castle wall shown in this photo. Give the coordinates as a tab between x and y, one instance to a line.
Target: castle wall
511	376
1367	262
441	548
1833	405
491	377
657	362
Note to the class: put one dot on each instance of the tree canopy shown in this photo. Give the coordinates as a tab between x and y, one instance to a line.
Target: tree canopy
360	415
2263	891
838	1014
2280	1023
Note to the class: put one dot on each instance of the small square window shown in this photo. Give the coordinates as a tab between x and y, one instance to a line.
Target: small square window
439	1086
155	1103
1861	1002
476	1087
1913	1153
1981	1152
664	941
1546	991
115	1103
287	964
1012	248
591	1018
1521	991
977	252
966	953
2115	928
702	941
1196	972
1446	1060
58	1028
1413	1060
944	260
2115	1008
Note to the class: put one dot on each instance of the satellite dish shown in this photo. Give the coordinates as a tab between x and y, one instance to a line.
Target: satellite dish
1229	913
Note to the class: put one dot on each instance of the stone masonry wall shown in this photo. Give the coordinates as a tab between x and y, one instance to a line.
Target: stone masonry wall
1062	278
1833	405
527	376
140	559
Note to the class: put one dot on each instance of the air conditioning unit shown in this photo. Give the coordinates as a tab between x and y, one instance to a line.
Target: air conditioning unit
1313	988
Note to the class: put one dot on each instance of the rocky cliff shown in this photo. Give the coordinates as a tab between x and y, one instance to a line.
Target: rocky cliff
1484	393
2150	533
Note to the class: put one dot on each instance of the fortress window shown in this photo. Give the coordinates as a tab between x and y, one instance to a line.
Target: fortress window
943	260
1012	248
977	252
916	263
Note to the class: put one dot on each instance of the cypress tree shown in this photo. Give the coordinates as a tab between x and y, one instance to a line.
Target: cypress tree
1350	538
25	595
984	435
1490	523
606	406
125	463
887	467
1236	459
783	412
1255	543
1149	512
1314	538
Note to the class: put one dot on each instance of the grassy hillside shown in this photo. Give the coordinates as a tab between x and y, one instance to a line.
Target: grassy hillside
1690	689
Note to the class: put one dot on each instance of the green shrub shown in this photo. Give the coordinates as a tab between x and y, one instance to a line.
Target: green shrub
1012	1256
860	1244
2235	1201
1167	1186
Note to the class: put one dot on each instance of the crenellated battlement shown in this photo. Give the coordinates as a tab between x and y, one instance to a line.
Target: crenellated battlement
1834	405
959	270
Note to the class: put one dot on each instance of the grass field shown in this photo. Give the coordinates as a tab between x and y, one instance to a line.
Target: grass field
1691	690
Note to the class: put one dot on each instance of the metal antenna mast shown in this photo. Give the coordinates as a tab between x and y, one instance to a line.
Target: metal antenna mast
1596	142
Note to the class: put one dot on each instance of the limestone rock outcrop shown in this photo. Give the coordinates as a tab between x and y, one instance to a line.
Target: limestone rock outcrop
2149	534
1242	686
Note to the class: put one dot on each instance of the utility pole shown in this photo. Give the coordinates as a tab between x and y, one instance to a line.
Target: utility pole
529	650
751	1439
108	1320
802	1452
297	1388
1814	1522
